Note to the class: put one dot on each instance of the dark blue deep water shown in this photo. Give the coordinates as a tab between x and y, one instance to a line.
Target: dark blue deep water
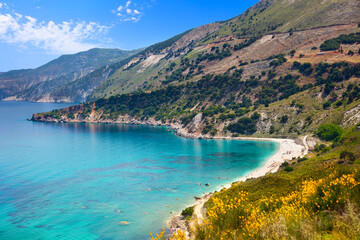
80	181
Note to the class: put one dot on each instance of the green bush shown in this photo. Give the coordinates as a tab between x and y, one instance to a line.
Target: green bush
284	119
326	105
334	44
329	45
188	212
244	125
329	132
272	129
285	164
347	155
288	169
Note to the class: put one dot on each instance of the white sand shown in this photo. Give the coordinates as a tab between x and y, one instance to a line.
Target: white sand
288	150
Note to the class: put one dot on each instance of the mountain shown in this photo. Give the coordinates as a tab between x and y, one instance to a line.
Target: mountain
214	89
283	69
34	84
249	35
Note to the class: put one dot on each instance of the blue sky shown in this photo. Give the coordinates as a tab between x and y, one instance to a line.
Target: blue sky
33	32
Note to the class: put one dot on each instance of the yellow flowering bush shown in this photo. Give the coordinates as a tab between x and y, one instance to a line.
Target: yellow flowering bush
293	216
238	218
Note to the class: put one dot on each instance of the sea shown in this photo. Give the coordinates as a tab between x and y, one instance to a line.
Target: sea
106	182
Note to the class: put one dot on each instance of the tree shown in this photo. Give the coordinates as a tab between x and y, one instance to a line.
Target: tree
347	155
284	119
329	132
272	129
244	125
292	53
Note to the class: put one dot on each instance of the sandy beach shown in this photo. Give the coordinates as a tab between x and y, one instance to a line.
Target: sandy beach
288	150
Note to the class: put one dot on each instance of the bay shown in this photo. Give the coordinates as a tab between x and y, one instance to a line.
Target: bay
84	181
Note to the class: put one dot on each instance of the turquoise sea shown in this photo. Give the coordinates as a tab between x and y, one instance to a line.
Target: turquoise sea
80	181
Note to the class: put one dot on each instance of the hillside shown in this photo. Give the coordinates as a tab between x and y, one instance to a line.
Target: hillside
35	84
283	69
214	89
278	16
268	28
202	48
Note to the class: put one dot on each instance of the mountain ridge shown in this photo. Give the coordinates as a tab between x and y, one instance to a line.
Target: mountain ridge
72	65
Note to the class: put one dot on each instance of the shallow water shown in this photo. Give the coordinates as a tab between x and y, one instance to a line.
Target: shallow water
80	181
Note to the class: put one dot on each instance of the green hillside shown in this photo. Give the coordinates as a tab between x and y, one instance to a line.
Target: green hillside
219	48
269	16
229	80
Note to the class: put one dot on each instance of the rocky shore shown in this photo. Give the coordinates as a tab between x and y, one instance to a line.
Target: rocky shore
288	149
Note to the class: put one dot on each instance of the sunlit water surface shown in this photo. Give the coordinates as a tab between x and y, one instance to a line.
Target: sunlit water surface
81	181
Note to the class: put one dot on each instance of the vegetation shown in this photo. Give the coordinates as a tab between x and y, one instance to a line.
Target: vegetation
187	212
244	126
334	44
228	99
329	132
318	199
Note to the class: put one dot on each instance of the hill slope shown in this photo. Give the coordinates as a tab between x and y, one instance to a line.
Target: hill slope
61	70
213	82
269	28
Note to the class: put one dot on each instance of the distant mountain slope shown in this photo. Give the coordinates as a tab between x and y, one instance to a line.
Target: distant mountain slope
68	67
268	28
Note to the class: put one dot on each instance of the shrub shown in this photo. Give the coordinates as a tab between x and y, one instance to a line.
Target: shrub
272	129
187	212
347	155
302	159
329	132
288	169
244	125
284	119
255	116
329	45
285	164
292	53
326	105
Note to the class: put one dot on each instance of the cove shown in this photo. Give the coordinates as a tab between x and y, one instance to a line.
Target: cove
94	181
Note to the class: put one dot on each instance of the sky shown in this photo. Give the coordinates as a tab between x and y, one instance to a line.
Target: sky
34	32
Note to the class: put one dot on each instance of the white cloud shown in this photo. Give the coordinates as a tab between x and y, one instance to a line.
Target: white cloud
126	13
61	38
4	5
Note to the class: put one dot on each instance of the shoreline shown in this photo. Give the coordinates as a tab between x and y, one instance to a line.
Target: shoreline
288	149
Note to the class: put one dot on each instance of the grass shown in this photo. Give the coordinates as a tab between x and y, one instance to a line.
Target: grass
284	16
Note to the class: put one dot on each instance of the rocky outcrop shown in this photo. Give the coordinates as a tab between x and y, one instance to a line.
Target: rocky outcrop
193	130
351	117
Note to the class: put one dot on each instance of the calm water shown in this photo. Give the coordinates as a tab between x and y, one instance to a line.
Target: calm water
80	181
